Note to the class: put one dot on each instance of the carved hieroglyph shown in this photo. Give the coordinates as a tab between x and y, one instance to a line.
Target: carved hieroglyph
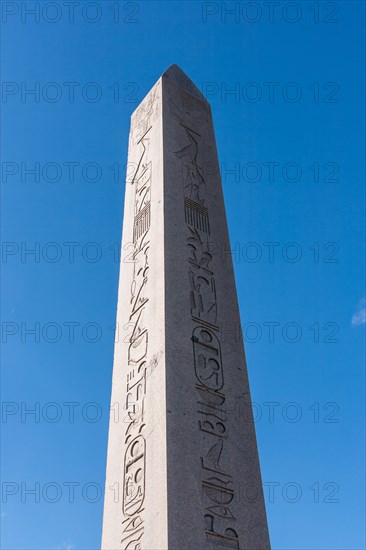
182	468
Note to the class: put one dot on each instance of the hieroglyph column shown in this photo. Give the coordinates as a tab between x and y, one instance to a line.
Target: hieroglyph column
182	468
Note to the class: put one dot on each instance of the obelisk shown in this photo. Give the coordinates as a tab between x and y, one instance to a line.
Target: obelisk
182	469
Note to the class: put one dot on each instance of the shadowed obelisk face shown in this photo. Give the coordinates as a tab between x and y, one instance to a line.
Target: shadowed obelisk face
182	469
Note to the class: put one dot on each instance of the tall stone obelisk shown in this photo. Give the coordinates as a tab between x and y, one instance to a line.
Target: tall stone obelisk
182	468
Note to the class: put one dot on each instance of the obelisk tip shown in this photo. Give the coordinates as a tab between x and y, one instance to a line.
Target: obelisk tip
179	77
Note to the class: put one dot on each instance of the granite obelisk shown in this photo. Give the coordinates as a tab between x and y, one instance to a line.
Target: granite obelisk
182	468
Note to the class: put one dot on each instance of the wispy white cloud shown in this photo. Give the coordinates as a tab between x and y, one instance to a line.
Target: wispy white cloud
359	318
66	546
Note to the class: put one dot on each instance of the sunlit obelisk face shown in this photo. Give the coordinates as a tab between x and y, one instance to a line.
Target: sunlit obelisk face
182	468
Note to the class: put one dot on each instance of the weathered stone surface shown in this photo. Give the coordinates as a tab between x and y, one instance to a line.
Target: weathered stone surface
182	469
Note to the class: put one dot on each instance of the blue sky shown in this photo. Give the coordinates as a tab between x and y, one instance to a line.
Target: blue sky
290	138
